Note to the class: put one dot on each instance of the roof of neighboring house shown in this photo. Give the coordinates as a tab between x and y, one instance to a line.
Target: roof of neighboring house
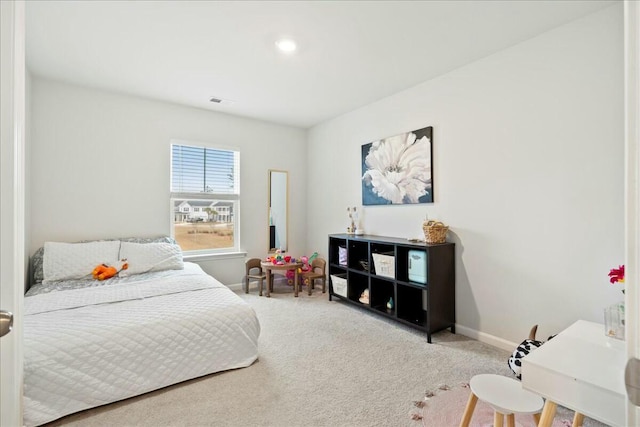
202	203
228	204
199	203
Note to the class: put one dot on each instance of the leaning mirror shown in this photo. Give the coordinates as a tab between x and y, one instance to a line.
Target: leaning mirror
277	209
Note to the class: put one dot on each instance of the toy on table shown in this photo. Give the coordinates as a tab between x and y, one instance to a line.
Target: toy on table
280	259
104	271
306	262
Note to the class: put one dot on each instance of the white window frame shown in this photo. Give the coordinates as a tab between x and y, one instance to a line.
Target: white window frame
234	198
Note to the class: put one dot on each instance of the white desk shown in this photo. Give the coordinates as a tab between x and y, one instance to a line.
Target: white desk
581	369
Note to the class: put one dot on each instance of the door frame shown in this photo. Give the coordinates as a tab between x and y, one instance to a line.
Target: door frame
12	204
632	187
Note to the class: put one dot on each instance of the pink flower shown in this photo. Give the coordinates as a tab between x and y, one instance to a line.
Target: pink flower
617	275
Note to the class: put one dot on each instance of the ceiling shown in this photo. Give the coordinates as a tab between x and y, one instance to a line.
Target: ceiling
350	53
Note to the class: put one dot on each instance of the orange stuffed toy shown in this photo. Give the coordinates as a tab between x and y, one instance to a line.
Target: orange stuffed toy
104	271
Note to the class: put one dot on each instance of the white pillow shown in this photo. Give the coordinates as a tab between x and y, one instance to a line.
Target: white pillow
144	257
63	261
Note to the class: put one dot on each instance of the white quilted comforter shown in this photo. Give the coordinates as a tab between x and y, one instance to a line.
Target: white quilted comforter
91	346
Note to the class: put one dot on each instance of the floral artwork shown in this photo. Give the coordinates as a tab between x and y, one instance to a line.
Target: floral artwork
398	170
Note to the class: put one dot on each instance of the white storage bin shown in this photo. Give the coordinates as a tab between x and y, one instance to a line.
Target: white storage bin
385	265
339	283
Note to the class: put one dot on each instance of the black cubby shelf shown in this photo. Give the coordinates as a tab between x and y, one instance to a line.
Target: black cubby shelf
419	278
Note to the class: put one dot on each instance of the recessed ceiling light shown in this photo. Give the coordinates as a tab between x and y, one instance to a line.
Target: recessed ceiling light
286	45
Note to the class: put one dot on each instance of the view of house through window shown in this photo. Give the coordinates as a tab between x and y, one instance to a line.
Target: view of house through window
205	194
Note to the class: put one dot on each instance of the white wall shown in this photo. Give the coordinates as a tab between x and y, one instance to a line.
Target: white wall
528	159
100	168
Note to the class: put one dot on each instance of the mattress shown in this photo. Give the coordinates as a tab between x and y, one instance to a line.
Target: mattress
89	346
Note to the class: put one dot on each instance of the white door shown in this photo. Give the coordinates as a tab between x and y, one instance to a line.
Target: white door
12	182
632	215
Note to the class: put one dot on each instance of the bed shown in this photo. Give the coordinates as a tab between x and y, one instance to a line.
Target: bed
88	342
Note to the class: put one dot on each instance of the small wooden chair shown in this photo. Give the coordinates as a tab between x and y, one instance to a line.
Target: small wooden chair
253	264
317	271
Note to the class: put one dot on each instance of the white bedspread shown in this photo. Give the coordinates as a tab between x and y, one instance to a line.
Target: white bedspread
88	347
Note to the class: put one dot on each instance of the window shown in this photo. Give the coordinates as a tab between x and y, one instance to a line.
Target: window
205	198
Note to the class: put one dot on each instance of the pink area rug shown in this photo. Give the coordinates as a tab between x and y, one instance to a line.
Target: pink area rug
444	408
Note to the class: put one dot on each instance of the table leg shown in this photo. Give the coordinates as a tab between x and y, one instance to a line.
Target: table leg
548	413
511	420
468	412
296	284
578	420
269	280
498	419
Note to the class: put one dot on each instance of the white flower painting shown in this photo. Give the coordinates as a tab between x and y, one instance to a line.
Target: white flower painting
398	169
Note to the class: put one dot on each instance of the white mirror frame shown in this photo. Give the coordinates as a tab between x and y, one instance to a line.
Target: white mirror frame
278	210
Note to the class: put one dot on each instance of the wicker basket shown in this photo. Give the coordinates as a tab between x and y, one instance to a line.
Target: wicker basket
434	231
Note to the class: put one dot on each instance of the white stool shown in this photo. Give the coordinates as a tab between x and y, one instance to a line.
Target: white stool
505	395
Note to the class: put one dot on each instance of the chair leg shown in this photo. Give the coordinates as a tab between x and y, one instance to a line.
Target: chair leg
310	285
468	412
324	285
498	419
260	288
246	285
578	420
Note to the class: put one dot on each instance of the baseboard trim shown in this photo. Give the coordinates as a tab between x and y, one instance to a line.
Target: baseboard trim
235	287
486	338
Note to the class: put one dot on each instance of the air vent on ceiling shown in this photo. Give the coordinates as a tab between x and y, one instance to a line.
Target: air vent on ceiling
216	100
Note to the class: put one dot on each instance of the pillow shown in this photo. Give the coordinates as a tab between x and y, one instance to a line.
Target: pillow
145	257
36	265
38	257
515	360
63	261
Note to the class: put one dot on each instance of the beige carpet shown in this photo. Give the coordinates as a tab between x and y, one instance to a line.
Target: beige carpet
321	363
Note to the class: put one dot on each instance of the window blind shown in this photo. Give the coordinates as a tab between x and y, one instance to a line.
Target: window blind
204	170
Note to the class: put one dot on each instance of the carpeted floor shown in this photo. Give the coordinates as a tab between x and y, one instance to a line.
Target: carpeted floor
321	363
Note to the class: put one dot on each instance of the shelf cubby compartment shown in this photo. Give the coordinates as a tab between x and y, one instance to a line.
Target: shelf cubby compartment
411	305
334	269
357	254
389	268
411	265
335	245
381	292
358	282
